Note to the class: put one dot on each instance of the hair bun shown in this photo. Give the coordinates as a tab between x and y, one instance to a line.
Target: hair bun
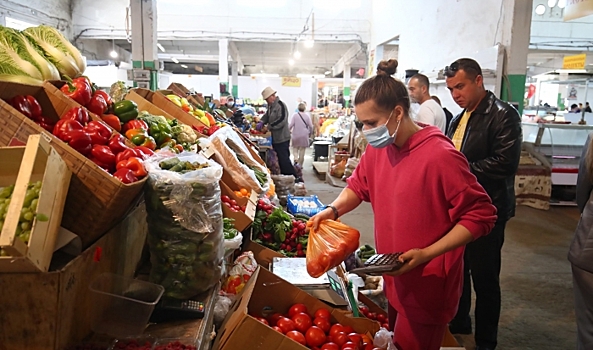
387	67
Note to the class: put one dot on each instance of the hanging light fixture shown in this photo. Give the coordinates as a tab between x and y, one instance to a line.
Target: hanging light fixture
291	62
540	9
561	4
113	53
297	54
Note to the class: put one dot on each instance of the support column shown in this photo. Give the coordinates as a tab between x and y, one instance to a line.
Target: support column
235	79
346	84
515	37
144	39
223	62
379	53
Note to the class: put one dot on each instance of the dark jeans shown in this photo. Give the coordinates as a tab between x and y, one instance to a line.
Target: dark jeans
482	263
282	150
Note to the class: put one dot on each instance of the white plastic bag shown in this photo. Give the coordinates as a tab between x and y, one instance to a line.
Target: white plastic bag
384	339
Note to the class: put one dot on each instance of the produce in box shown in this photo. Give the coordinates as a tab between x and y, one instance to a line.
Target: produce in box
185	224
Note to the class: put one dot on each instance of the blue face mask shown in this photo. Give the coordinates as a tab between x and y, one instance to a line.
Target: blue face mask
379	137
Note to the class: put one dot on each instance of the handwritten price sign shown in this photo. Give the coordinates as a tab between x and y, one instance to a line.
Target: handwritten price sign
291	81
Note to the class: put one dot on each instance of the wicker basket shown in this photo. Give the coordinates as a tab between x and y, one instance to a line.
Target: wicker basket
96	201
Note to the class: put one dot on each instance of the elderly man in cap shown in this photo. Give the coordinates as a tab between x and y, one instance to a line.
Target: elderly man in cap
276	120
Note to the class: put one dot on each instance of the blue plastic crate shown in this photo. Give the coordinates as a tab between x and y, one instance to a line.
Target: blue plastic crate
265	142
294	208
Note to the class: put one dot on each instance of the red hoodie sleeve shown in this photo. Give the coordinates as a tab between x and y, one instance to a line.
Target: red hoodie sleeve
470	206
358	181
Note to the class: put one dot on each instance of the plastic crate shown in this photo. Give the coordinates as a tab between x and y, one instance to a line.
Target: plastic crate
294	207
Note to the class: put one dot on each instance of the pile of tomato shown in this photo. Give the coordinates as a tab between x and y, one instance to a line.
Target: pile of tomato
315	330
376	316
232	204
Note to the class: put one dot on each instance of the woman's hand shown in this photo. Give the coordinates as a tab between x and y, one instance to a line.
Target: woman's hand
411	259
325	214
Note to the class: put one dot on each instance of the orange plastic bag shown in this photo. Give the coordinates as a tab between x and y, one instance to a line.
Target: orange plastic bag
329	245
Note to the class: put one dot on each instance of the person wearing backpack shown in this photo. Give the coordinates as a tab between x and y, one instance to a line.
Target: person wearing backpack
300	129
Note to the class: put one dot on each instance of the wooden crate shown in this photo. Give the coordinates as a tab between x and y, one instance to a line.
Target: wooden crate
50	311
19	166
96	201
165	106
179	89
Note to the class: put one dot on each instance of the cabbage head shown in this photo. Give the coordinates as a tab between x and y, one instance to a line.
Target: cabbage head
16	62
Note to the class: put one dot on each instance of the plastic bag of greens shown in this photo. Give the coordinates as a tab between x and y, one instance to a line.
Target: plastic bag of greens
185	224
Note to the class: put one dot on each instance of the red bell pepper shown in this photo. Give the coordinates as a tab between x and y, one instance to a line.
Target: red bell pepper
105	95
79	140
112	120
34	107
117	144
79	90
79	114
99	132
21	104
147	152
132	152
125	175
104	155
97	105
65	125
101	165
46	123
134	164
135	124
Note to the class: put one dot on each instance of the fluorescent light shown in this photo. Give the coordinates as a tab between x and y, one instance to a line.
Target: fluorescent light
183	66
291	62
314	76
160	47
562	3
328	72
113	54
540	9
297	54
265	75
174	60
309	43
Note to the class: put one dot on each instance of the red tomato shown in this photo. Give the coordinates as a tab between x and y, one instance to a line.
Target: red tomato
277	329
262	320
349	346
364	310
274	318
322	323
386	326
340	338
323	313
285	324
355	338
330	346
302	322
382	318
297	336
315	336
372	315
225	198
336	328
296	309
348	329
368	346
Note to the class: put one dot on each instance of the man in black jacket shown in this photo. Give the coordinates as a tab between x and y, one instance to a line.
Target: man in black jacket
488	133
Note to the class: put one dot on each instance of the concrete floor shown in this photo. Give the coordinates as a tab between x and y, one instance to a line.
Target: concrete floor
537	301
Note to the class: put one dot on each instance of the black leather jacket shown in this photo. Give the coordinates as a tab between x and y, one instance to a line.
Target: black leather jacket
492	146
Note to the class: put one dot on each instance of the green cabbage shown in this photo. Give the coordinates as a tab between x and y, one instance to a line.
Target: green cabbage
59	50
16	60
47	69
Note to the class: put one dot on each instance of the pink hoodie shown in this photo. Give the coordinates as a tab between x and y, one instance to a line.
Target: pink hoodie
418	193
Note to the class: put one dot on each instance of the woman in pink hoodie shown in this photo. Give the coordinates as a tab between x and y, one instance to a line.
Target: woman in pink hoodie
426	203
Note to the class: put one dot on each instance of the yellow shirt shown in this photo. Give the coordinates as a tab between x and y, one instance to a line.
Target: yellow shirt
460	131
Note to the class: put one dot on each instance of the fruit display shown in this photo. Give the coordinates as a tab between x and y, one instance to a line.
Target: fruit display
315	330
202	115
185	226
330	244
276	229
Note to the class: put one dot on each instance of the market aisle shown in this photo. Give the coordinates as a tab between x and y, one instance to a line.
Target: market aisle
536	279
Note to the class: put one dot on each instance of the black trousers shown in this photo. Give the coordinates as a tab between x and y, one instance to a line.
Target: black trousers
481	263
282	150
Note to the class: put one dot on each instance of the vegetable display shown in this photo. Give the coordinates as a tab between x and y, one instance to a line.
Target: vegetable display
185	226
31	108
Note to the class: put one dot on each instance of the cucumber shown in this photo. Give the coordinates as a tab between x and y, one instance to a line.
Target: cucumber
302	217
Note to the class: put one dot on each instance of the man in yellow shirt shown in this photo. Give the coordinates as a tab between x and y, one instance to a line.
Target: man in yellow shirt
488	133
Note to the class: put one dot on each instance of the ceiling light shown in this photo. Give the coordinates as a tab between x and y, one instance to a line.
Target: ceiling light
540	9
183	66
309	43
174	60
328	72
291	62
160	47
562	3
297	54
551	3
113	54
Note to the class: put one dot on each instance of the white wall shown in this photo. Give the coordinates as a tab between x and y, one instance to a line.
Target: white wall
55	13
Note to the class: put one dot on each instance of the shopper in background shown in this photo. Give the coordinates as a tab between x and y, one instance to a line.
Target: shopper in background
580	106
341	100
425	291
574	108
488	133
430	112
580	254
276	120
300	129
448	114
587	107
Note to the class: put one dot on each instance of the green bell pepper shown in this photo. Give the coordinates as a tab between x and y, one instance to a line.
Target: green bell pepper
125	110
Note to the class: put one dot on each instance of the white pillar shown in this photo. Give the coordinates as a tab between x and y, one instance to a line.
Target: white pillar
235	78
379	53
346	84
144	38
223	62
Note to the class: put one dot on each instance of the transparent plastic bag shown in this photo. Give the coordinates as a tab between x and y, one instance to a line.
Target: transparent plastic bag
221	309
384	339
184	218
329	245
244	266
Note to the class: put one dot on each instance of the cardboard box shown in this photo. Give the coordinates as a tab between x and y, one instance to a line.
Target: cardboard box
19	166
232	185
265	294
41	311
96	201
242	219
